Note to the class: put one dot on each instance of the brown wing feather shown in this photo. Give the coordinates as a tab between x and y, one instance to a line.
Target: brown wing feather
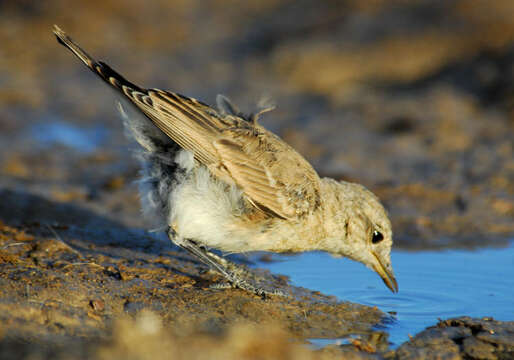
270	172
253	178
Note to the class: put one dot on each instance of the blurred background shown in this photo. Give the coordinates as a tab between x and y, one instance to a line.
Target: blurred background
414	99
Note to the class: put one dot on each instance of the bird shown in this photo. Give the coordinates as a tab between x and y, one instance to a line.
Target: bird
215	178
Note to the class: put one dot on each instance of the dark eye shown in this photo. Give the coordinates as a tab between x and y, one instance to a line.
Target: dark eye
377	237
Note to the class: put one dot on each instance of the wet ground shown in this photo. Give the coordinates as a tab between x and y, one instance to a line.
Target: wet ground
413	99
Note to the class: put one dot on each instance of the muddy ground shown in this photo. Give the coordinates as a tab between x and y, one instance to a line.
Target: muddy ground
70	293
413	99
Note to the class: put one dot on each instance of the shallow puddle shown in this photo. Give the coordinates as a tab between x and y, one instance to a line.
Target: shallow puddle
83	140
433	284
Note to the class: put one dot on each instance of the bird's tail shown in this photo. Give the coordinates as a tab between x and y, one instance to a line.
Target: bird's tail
141	128
98	67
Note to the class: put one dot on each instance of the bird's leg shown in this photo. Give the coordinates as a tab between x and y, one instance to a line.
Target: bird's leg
226	268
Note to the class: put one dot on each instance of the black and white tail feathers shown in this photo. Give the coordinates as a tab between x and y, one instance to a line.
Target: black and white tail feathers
160	170
100	68
140	127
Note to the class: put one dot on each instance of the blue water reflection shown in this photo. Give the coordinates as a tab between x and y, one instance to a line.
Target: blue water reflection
83	140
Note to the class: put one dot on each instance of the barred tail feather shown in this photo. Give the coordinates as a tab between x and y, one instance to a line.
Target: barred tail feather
98	67
161	172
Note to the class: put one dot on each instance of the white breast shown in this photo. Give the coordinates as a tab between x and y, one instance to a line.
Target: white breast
207	210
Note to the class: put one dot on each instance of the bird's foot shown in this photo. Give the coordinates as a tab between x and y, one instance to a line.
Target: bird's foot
248	286
239	278
235	275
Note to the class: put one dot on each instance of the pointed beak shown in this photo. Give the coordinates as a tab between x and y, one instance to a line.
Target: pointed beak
386	273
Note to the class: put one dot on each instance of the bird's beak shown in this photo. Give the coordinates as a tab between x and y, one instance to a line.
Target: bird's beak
386	273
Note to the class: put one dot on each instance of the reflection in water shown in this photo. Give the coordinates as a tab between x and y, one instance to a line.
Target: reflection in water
84	140
433	284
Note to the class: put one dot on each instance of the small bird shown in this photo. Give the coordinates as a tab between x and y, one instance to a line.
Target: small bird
217	179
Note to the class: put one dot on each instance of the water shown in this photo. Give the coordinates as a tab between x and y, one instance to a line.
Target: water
433	284
84	140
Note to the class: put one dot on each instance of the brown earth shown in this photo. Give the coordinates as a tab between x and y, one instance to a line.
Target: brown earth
102	299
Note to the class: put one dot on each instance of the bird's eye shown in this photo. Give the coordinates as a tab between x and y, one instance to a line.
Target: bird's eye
377	237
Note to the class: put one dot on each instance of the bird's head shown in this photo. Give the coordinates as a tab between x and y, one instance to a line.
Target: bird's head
358	227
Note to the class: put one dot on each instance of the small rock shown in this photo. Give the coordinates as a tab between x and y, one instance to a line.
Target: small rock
97	305
476	349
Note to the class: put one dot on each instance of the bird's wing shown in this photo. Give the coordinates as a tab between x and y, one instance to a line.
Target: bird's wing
274	177
271	173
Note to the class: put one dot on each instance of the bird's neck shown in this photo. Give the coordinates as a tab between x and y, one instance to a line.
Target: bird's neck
325	229
335	215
